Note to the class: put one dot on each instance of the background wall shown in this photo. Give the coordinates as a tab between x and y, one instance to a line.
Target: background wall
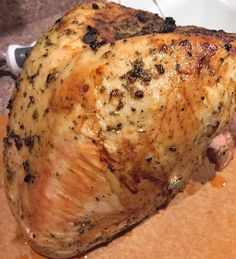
21	22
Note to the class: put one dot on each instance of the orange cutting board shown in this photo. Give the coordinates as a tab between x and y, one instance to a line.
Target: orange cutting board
198	223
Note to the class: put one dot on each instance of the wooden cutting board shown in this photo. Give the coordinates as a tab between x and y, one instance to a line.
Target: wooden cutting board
198	223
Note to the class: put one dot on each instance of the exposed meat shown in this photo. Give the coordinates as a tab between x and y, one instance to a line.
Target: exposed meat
113	112
220	151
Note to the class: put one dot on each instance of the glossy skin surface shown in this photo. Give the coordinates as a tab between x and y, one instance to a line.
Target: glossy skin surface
102	134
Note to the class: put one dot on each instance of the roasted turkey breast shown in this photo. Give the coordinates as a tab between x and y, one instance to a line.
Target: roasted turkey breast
113	112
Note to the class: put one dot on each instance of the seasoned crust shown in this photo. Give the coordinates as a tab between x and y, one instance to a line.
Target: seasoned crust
194	30
122	23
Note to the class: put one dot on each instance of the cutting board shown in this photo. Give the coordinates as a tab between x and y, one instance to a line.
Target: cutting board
198	223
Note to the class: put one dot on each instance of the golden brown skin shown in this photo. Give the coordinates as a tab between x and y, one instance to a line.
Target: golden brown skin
99	137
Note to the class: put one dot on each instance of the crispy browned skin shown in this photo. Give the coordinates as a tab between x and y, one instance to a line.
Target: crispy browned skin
101	134
193	30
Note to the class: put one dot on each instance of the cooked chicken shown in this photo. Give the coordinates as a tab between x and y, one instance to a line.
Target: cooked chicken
109	121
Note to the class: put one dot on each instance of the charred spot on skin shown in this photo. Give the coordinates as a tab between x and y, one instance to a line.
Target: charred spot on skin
228	47
28	178
45	54
68	32
178	68
111	168
16	138
97	44
220	105
169	25
26	166
57	174
22	126
32	77
48	42
222	60
189	53
10	173
95	6
115	93
160	69
120	105
17	83
35	115
116	128
76	22
18	142
138	72
89	38
202	98
51	77
29	141
46	111
133	109
31	99
214	113
148	159
107	54
172	149
52	235
139	94
92	30
102	89
153	51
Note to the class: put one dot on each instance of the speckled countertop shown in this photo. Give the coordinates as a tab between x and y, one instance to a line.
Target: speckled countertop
22	22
